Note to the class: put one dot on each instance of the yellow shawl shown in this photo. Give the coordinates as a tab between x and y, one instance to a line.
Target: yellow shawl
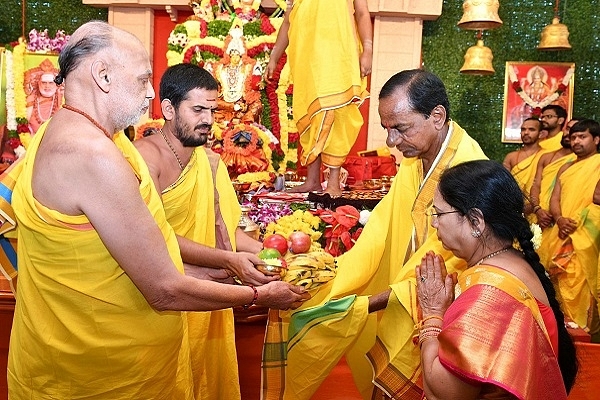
190	209
524	171
324	62
553	143
383	255
81	327
549	179
575	259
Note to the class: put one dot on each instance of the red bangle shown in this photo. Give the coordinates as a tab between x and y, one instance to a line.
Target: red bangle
254	299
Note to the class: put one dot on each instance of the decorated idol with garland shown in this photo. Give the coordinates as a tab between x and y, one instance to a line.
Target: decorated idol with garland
254	128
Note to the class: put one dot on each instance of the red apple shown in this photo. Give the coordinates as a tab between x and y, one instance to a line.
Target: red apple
299	242
277	242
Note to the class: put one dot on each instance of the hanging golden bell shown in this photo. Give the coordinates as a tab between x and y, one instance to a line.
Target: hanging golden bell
555	36
480	14
478	60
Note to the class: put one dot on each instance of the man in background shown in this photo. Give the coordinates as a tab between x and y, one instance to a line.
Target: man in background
545	176
522	163
553	118
570	250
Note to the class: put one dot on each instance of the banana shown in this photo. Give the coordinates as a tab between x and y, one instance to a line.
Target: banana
323	276
310	269
295	275
307	283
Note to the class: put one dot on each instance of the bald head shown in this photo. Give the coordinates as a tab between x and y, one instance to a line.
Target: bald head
107	74
90	39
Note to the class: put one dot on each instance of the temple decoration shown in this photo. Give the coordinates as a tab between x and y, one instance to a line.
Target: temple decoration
149	128
479	15
478	59
536	90
556	35
233	42
31	95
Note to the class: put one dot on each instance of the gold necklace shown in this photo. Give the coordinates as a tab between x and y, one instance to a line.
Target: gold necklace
494	254
172	149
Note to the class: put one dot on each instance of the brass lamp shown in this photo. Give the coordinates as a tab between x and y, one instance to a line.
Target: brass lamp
556	35
480	14
478	60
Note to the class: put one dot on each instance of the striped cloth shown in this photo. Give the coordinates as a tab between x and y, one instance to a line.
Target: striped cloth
305	330
8	223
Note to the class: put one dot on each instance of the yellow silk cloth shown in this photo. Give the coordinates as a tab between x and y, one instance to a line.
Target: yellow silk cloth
81	328
324	62
549	179
190	209
494	335
377	260
577	278
553	143
524	171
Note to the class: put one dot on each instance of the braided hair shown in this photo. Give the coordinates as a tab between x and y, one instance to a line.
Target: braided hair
487	186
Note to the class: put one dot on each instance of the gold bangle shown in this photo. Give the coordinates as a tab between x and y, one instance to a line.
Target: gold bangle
422	323
536	208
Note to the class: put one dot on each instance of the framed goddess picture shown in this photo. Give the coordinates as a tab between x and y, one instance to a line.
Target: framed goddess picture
529	87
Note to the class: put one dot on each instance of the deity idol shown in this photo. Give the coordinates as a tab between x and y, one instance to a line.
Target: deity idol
239	77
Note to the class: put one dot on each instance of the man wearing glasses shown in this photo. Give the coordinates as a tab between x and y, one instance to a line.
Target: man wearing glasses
415	112
553	118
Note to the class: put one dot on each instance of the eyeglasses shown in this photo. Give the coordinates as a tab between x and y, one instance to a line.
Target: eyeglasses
548	116
432	212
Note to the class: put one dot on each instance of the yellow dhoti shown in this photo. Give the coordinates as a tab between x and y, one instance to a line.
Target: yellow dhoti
81	328
324	62
190	209
574	260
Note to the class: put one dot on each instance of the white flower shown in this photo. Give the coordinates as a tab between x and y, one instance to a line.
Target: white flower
20	151
537	236
364	217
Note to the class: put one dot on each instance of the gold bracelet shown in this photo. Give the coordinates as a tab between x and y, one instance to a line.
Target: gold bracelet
536	208
426	336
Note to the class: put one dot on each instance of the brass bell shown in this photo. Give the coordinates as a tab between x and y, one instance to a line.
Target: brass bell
555	36
480	14
478	60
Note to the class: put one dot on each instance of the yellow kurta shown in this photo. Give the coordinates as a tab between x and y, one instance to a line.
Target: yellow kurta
384	254
579	280
553	143
189	206
324	63
81	327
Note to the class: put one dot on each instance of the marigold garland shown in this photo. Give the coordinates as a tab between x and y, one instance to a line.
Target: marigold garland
151	124
231	147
